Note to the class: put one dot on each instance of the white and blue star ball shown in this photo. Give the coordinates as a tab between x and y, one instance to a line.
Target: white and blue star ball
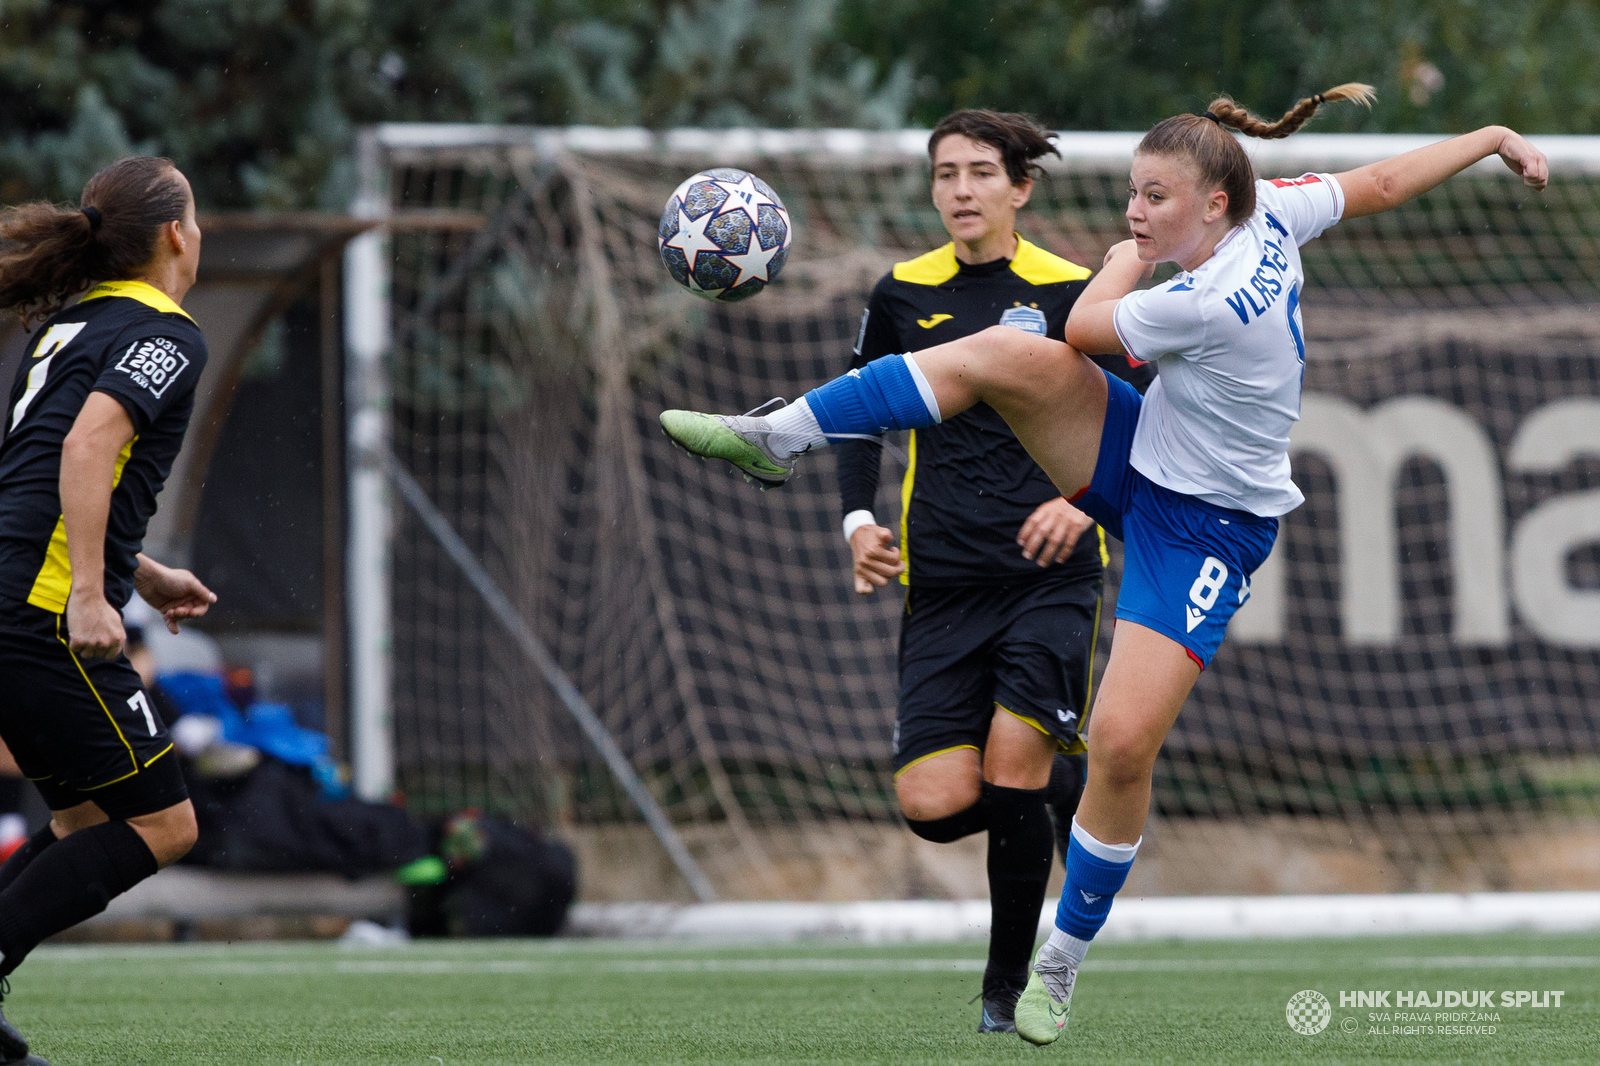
724	234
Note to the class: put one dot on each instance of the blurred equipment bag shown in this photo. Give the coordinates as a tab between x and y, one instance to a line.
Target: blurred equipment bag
274	819
504	881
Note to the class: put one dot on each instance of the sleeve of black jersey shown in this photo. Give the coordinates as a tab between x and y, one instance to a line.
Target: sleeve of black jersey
860	461
152	370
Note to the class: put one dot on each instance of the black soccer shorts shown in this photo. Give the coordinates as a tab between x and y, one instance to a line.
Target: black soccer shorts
1028	648
81	729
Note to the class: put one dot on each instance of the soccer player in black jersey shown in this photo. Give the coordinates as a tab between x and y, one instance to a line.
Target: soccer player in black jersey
94	420
1004	575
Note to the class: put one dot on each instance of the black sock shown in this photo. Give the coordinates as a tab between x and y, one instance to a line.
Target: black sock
29	851
1067	776
952	827
71	881
1019	867
13	793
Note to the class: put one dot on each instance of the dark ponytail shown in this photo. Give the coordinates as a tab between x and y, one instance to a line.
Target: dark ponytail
50	253
1220	158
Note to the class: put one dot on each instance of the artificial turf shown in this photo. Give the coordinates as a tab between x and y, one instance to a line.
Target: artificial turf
619	1002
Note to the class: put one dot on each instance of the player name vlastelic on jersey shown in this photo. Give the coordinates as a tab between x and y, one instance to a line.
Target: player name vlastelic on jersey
1229	350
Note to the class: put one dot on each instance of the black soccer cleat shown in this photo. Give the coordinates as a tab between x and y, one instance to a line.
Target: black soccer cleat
998	1016
999	1004
13	1045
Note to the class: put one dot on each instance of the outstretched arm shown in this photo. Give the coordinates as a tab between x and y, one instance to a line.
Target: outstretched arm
1388	183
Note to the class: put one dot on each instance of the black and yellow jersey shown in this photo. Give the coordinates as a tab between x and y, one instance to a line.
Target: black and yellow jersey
130	341
970	485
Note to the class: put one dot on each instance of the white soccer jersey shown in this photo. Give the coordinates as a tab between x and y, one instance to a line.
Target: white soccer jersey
1230	354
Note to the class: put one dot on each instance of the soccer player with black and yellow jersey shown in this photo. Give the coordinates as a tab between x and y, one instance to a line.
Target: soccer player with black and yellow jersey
94	420
1004	575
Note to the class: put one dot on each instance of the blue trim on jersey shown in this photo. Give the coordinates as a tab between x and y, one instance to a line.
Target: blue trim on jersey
1186	563
1294	326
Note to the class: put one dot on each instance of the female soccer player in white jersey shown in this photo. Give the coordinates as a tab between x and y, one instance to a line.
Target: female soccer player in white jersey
1193	479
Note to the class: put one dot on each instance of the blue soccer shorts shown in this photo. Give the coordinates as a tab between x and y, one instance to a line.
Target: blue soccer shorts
1186	563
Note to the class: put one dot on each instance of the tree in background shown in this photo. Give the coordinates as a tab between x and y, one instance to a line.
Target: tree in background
258	100
1439	65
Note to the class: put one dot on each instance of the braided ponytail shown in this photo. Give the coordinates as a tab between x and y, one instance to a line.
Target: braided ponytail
1228	113
1217	154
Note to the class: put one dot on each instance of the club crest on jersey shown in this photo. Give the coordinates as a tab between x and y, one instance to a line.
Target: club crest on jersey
153	364
1027	319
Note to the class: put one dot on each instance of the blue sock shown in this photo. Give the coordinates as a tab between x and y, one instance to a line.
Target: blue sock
883	395
1092	883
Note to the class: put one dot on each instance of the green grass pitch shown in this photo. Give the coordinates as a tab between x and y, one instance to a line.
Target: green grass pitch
588	1002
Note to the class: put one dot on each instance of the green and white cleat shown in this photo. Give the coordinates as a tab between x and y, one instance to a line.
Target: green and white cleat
737	439
1041	1016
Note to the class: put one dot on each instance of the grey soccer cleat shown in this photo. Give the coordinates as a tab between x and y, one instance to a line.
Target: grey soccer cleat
738	439
1046	1004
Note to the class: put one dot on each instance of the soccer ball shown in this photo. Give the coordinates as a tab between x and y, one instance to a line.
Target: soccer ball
724	234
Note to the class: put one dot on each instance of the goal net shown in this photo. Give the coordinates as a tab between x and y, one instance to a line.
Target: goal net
1407	701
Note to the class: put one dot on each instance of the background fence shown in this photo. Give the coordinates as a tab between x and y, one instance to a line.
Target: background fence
1416	671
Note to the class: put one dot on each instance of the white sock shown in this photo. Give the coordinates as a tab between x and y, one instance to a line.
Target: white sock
1101	850
795	429
1063	949
923	388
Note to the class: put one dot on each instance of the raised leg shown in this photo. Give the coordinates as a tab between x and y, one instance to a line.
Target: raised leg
1052	397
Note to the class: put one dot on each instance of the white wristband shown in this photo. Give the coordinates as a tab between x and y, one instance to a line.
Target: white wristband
855	520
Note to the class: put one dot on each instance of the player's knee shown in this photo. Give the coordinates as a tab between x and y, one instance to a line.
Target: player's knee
1024	368
1007	345
949	828
187	834
1121	756
170	833
181	837
926	803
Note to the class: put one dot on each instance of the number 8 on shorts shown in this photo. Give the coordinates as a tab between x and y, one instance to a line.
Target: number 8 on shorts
1213	575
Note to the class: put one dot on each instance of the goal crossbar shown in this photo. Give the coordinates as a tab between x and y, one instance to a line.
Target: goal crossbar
1080	150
